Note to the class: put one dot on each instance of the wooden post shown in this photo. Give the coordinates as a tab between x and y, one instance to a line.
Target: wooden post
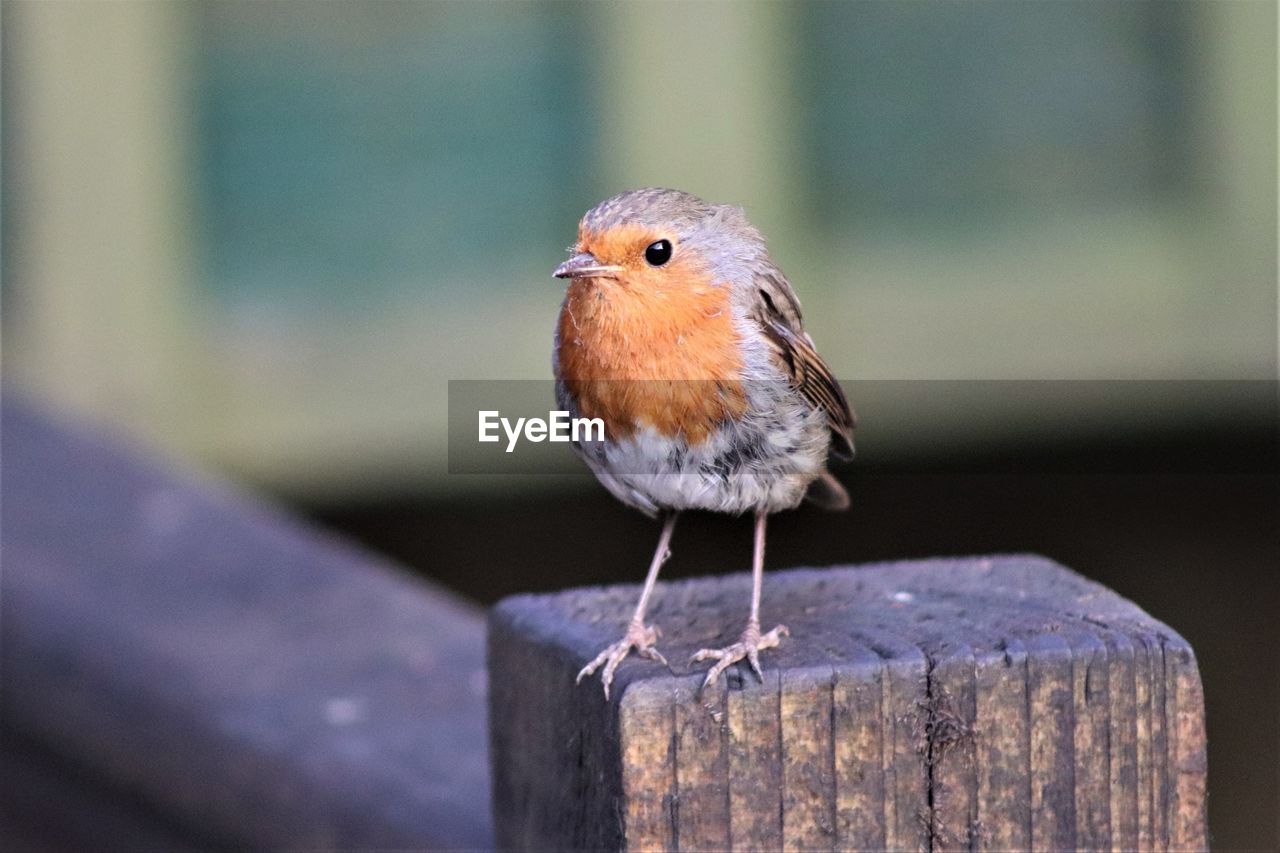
994	703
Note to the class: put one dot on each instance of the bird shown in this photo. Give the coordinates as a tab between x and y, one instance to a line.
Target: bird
680	333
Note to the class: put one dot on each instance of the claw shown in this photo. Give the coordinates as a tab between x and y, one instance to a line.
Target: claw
749	646
639	637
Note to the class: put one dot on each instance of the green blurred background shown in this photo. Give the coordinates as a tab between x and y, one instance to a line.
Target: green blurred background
261	236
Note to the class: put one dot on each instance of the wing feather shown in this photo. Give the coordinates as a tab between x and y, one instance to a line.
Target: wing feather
778	313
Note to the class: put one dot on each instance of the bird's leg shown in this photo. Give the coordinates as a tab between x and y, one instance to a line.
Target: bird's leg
639	636
752	642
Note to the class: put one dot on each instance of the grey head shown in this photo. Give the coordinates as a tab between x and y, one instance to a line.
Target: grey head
719	233
651	206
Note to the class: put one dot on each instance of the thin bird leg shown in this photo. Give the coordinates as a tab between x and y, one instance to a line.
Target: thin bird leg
751	642
639	636
757	570
660	556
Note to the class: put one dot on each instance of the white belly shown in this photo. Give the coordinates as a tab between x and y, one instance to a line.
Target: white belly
763	461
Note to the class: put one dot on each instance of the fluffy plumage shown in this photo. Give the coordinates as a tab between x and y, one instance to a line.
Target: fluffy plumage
712	394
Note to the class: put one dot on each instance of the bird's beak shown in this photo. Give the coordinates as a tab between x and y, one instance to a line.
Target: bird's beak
584	265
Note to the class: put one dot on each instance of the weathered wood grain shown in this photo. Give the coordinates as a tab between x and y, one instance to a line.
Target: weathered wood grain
1002	743
649	796
857	729
999	703
949	749
755	764
1189	761
1122	735
808	773
701	769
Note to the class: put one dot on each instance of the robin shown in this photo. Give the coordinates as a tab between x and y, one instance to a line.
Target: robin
681	334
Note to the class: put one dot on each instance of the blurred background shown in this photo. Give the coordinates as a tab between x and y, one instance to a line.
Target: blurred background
261	238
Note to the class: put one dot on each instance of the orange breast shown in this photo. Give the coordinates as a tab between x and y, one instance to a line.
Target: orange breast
657	350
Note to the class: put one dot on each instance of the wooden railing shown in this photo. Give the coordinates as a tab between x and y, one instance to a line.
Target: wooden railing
207	668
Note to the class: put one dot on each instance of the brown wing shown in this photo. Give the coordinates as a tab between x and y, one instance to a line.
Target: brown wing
779	317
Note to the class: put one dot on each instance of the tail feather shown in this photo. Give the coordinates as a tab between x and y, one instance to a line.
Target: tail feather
827	493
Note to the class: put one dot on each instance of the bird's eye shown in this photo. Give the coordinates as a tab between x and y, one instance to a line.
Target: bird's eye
658	253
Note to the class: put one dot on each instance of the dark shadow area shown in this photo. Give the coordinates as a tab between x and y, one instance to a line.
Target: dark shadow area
49	803
1184	525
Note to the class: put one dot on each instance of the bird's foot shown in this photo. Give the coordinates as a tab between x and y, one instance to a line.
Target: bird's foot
639	637
749	646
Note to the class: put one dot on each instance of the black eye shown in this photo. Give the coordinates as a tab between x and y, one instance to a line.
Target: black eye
658	253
